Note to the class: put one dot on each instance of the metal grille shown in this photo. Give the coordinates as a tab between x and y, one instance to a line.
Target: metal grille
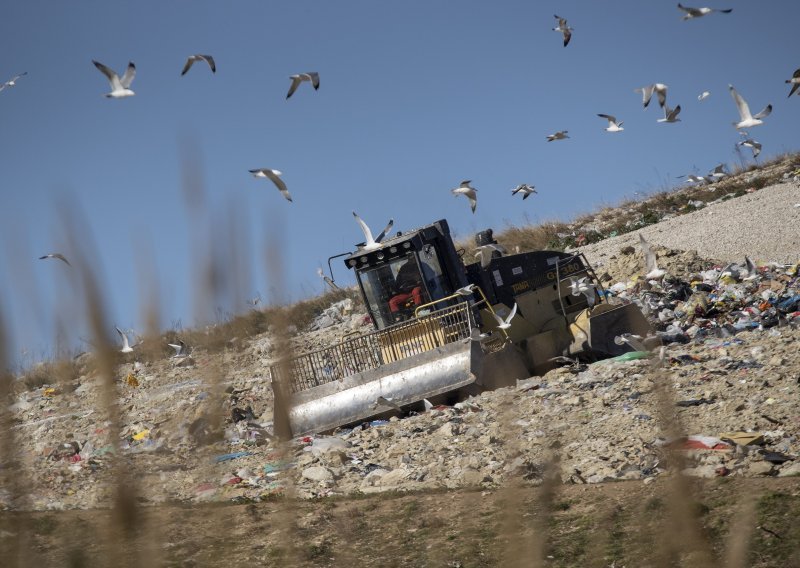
372	350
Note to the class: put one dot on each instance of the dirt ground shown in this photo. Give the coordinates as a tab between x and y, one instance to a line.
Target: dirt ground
670	522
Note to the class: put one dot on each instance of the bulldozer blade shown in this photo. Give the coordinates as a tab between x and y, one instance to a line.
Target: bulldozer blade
406	381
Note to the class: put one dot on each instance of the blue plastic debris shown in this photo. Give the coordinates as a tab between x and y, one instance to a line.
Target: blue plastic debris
233	456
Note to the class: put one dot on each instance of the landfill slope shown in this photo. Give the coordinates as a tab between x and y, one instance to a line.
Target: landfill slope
198	428
763	225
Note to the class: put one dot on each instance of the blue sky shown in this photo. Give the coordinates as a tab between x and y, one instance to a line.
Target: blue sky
414	97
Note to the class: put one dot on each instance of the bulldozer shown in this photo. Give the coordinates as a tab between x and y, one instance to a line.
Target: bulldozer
445	328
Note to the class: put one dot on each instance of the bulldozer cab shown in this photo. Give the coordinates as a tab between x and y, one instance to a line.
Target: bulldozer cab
412	269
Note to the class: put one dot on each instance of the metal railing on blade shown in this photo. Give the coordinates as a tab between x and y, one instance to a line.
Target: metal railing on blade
371	350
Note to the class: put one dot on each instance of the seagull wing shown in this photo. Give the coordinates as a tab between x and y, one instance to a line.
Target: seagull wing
274	176
794	88
125	344
293	87
314	80
473	200
385	231
210	60
647	94
611	119
567	35
110	74
500	321
512	314
649	255
661	93
364	229
130	73
764	113
189	62
741	105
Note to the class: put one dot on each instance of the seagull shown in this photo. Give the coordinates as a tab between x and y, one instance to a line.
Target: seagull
13	81
746	120
327	279
653	271
585	287
274	176
699	12
119	87
660	89
564	29
670	114
181	349
718	172
696	179
467	290
613	125
505	323
524	189
795	81
486	253
255	301
126	346
382	401
755	146
299	78
57	255
635	341
192	58
371	243
466	189
703	96
560	135
476	335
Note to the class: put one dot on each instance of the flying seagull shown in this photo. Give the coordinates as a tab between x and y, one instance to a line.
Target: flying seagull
486	253
192	58
126	346
119	87
703	96
691	13
795	81
469	192
505	323
299	78
582	286
388	402
560	135
525	189
635	341
466	291
273	175
670	114
613	125
327	279
752	144
564	29
747	120
13	81
695	179
660	89
372	243
57	255
181	349
718	172
653	271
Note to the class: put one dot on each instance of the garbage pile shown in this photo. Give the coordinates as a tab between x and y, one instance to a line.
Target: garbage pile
720	400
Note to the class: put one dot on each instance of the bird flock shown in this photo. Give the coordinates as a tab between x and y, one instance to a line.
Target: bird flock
120	87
